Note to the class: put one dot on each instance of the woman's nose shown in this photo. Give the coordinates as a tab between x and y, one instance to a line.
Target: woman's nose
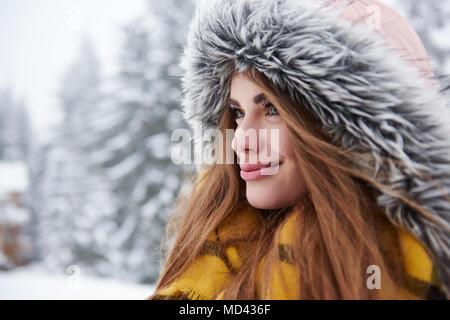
248	141
245	145
253	142
244	135
245	141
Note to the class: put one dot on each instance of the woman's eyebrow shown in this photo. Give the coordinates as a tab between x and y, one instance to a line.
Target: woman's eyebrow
256	99
259	98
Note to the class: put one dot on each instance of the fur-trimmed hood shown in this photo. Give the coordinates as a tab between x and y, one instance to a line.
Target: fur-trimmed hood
364	93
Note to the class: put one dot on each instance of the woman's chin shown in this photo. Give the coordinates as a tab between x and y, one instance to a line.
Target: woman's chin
272	195
263	202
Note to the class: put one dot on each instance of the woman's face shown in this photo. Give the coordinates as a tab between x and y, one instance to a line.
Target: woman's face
278	185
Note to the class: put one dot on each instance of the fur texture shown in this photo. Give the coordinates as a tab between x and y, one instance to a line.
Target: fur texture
363	93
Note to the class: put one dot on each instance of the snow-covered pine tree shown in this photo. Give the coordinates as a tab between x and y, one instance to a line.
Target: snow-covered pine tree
14	127
75	213
5	111
431	21
133	148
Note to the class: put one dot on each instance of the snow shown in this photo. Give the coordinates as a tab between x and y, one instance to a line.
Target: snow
4	261
13	177
125	166
29	284
13	215
159	144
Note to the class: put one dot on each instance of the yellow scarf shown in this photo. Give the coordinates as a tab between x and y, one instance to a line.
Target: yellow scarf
207	277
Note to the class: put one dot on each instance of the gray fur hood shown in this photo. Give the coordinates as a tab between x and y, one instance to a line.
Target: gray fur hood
364	94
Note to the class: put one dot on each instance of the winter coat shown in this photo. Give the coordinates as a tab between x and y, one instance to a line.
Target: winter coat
221	256
366	78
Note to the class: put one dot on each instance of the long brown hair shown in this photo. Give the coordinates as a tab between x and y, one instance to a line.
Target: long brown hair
341	230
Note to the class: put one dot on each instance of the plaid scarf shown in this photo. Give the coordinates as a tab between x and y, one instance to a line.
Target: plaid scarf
220	259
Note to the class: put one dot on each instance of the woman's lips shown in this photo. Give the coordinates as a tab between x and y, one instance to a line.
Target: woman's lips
252	167
258	171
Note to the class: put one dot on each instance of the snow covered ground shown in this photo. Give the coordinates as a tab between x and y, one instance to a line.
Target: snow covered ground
23	284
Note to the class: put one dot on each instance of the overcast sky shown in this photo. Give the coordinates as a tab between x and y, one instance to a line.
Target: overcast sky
39	38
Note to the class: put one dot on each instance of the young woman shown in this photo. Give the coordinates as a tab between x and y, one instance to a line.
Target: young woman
356	204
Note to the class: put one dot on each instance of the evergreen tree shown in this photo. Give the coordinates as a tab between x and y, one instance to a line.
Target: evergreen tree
133	145
14	127
75	215
431	21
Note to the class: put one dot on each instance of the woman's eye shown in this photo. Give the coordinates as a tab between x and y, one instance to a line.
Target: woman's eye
236	113
272	110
